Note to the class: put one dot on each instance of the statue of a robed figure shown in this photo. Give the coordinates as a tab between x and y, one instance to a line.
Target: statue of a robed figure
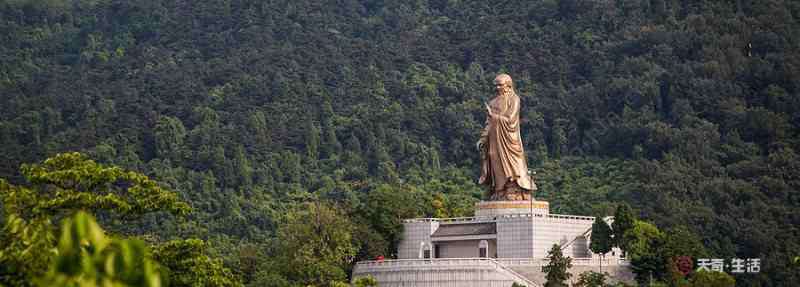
504	168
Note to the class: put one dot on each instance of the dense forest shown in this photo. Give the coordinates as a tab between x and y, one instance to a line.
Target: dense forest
300	132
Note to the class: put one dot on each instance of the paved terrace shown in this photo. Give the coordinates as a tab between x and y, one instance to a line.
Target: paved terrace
466	272
474	272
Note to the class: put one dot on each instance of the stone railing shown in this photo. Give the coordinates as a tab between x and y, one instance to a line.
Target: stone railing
451	220
365	267
563	216
575	261
525	280
586	234
477	219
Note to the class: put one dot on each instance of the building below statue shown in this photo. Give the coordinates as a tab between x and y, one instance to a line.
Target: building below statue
506	242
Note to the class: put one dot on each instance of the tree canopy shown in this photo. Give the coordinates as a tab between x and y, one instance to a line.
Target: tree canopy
601	239
557	268
71	185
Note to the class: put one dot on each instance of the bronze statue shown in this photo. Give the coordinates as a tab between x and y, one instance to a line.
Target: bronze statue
503	165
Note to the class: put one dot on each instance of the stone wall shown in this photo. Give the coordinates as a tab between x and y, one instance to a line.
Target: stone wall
416	233
514	237
616	273
464	248
552	229
464	272
458	249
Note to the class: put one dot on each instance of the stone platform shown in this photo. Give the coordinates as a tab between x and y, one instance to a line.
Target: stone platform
506	242
449	272
499	208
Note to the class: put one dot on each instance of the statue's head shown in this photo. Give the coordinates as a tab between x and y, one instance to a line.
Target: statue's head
503	84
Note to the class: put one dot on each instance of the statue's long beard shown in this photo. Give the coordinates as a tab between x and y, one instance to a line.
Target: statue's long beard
506	92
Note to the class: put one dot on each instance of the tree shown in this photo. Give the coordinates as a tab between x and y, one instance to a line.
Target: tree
71	182
557	268
169	134
257	137
190	265
646	251
601	238
366	281
680	241
623	221
312	142
87	257
61	185
591	279
243	168
384	207
315	245
712	279
558	145
331	146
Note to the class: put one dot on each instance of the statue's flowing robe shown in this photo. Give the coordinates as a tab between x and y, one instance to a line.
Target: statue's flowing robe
503	159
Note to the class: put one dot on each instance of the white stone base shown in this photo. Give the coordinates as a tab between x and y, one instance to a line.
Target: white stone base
457	272
499	208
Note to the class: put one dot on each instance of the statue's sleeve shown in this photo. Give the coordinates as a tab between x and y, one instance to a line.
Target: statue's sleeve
510	118
481	145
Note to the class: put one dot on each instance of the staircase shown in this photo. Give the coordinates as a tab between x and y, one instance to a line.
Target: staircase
520	278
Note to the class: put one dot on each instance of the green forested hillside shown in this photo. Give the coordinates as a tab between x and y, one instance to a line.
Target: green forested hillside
264	113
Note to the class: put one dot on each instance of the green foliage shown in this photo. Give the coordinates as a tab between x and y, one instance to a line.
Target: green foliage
269	278
645	251
643	238
623	221
189	265
653	253
87	257
314	246
71	181
679	241
601	238
366	281
64	184
712	279
27	248
584	185
169	135
557	268
386	206
591	279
